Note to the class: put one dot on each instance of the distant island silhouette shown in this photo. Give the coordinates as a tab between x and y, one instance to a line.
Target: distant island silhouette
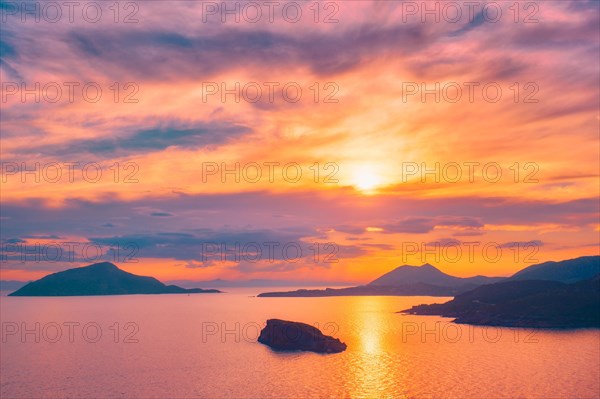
258	282
427	280
102	278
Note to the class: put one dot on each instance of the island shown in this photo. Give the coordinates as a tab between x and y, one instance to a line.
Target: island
427	280
565	271
283	335
102	278
524	303
406	280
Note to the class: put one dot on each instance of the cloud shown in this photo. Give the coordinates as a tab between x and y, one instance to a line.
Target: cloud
477	21
350	229
8	55
206	247
148	140
13	241
76	216
422	225
522	244
168	53
161	214
7	50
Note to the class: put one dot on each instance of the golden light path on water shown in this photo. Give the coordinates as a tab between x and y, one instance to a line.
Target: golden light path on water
373	372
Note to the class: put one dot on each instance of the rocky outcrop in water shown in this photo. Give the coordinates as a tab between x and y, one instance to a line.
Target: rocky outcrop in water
285	335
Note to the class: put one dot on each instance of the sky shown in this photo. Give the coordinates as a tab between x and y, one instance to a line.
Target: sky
328	141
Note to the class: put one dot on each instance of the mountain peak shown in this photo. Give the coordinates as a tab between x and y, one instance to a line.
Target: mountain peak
425	274
102	265
425	267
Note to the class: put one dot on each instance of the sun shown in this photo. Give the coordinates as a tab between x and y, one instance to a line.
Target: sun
367	179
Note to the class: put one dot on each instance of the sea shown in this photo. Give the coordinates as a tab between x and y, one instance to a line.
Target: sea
205	346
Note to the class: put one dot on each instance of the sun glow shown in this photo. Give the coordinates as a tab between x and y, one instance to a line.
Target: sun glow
367	178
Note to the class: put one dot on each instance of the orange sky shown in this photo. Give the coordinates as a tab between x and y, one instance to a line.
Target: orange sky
387	165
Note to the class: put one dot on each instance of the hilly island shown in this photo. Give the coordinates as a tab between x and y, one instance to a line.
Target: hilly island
425	280
100	279
527	303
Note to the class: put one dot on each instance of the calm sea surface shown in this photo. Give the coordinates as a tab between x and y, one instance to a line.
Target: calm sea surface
180	346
